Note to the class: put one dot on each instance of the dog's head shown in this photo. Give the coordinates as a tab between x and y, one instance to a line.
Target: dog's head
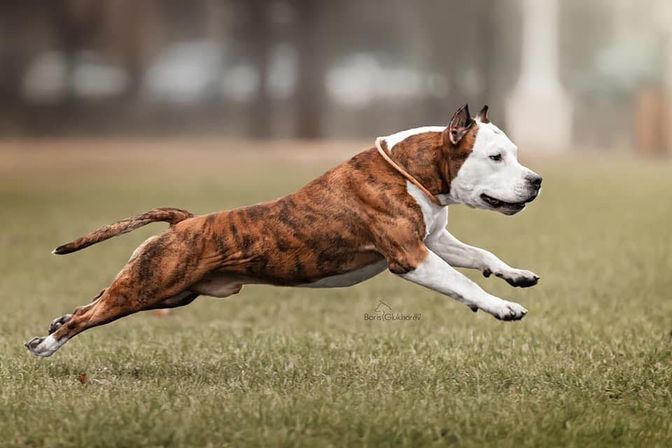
483	167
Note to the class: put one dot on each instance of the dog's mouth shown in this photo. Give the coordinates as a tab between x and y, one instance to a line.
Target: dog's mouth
512	207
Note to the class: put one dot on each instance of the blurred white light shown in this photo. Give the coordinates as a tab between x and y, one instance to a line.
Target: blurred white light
351	83
627	62
46	78
282	73
361	79
239	83
91	78
438	85
184	72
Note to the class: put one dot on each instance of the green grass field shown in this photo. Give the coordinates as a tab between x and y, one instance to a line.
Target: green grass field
590	365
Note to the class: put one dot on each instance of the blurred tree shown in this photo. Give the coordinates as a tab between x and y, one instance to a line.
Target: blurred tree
132	36
310	96
76	24
258	35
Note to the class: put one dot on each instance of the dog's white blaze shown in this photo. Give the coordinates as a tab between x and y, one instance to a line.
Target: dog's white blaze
505	180
398	137
350	278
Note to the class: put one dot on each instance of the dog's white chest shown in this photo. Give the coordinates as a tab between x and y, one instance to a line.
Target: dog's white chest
435	216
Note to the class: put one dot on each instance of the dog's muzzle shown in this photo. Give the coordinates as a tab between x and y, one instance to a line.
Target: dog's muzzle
508	208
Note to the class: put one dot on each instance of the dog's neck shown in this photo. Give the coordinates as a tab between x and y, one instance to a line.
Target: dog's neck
432	159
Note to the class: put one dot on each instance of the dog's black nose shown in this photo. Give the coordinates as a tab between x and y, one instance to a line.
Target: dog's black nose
535	180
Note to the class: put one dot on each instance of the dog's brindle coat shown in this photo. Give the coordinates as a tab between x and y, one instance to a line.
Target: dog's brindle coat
342	228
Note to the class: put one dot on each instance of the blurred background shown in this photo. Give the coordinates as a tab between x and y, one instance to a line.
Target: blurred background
109	108
557	75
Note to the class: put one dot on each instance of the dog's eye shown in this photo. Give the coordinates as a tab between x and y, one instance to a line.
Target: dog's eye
496	157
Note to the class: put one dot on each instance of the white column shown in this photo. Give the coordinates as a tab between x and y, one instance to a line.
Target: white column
539	112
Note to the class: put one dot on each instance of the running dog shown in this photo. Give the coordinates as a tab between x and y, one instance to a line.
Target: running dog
385	208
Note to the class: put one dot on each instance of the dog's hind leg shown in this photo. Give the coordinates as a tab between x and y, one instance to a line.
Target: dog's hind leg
158	277
59	321
182	299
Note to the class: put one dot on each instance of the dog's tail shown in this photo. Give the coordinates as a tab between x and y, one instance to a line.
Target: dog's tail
170	215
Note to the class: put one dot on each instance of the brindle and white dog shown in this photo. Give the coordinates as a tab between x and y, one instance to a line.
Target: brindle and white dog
384	208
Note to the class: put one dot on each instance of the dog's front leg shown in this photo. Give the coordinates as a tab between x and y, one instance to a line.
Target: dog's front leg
434	273
461	255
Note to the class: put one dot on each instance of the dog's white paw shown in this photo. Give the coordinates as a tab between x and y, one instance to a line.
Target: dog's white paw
516	277
505	310
44	347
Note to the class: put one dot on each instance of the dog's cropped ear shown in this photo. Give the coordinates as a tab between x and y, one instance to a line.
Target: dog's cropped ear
483	115
459	125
